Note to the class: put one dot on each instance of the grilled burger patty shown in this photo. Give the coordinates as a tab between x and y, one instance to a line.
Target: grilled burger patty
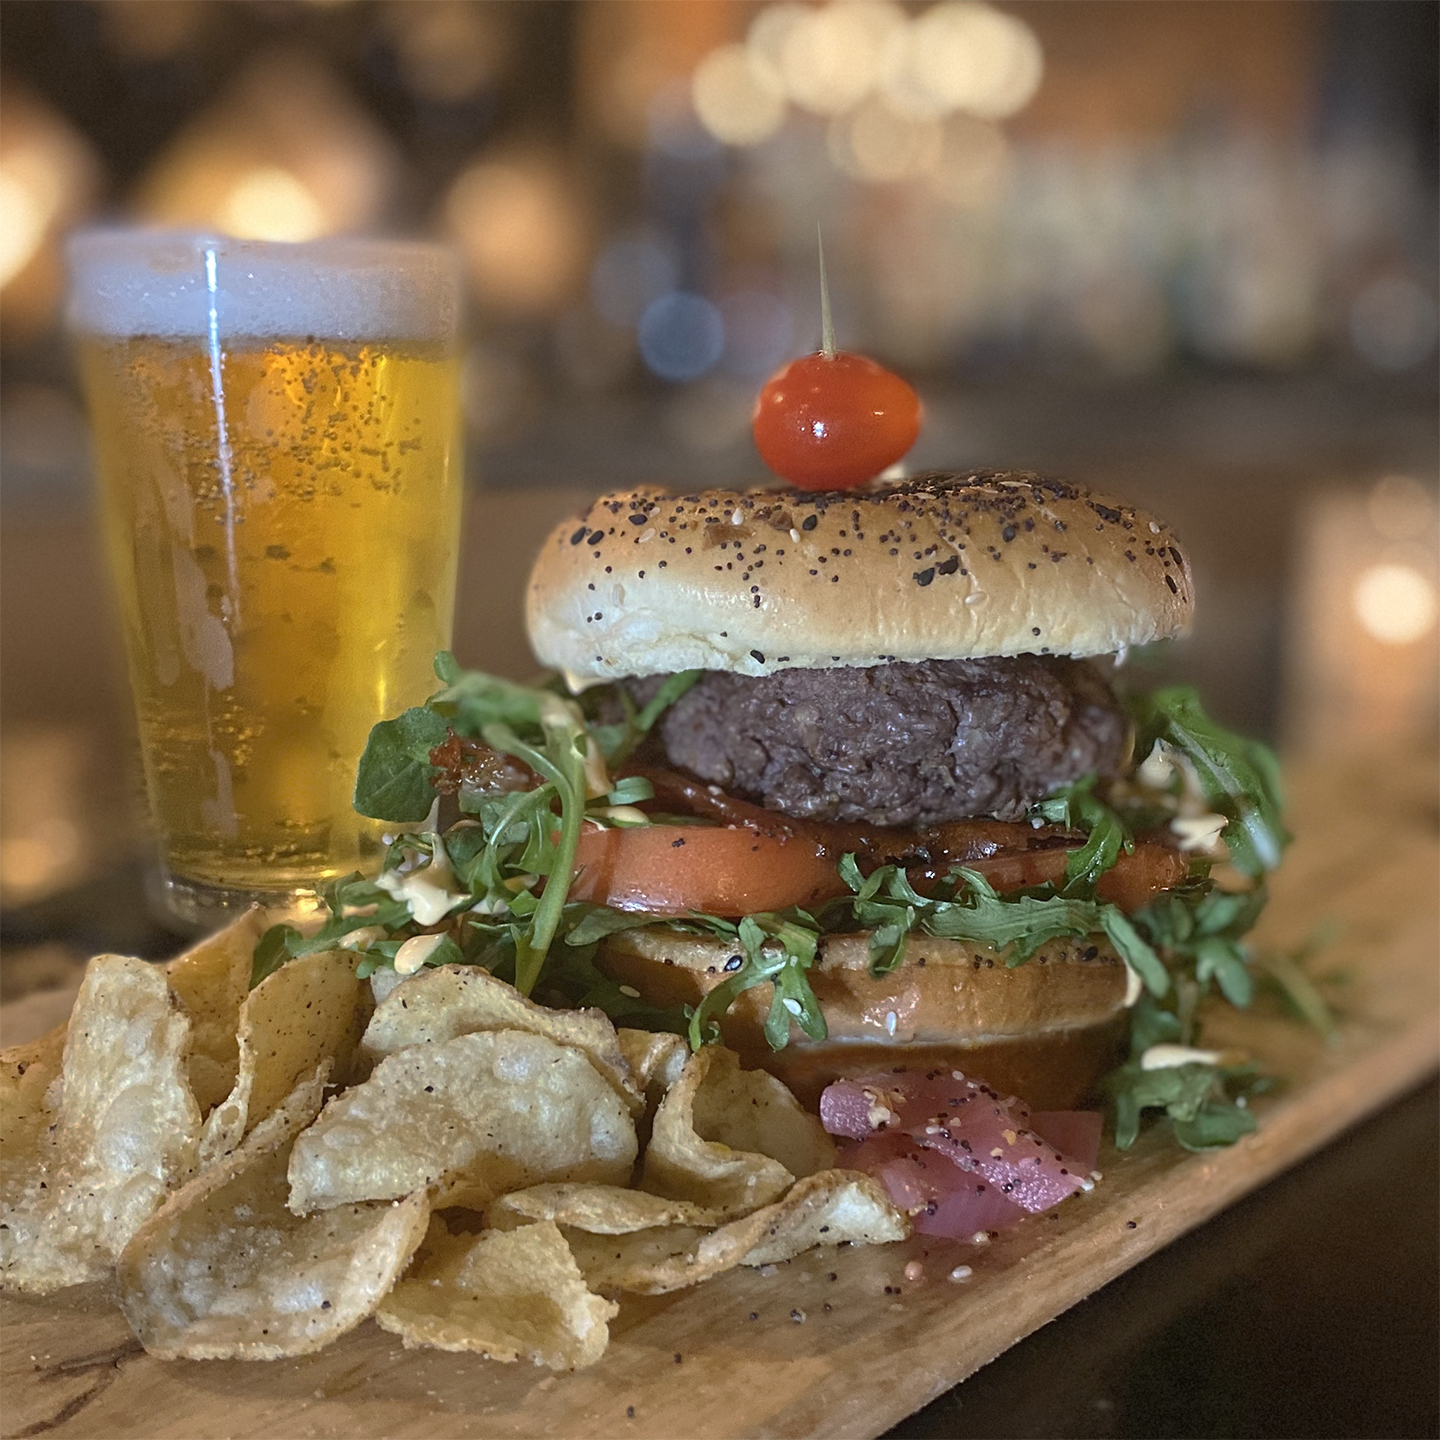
898	744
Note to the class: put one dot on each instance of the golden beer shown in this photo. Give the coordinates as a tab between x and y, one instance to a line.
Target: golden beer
281	512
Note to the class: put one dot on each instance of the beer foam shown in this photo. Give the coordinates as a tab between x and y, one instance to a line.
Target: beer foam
136	282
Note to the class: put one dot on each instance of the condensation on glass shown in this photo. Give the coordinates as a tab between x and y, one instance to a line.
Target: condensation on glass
278	452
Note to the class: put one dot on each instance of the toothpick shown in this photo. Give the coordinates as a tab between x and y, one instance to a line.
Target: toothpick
827	324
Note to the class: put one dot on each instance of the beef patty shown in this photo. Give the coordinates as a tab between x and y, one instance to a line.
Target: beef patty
901	745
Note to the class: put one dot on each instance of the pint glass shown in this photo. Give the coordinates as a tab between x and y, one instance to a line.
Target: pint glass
276	441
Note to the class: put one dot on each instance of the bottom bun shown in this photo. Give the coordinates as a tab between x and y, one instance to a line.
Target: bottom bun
1046	1030
1057	1071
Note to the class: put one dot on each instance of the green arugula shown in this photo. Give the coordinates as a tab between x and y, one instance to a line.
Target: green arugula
774	948
496	885
1078	808
1239	778
965	906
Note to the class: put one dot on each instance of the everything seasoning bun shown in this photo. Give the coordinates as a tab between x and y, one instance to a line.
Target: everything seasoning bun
894	677
945	566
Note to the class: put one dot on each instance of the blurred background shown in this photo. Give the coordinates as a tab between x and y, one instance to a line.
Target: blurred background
1184	252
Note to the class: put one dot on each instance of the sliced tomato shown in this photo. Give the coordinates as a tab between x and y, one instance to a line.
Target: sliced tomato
672	869
731	871
1129	883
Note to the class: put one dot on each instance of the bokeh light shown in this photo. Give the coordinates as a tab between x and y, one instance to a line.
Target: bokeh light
286	153
681	336
737	100
48	177
269	203
27	217
518	223
959	55
152	30
1395	603
829	57
876	144
767	35
447	50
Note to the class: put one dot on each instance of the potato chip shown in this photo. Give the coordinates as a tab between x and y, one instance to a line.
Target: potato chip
450	1000
212	980
731	1139
225	1271
598	1209
28	1109
309	1010
829	1208
120	1129
472	1118
655	1058
508	1294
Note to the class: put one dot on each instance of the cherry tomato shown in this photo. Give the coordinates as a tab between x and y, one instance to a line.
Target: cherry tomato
672	869
827	424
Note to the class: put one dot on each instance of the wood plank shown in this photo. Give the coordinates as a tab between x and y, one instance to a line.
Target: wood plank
869	1347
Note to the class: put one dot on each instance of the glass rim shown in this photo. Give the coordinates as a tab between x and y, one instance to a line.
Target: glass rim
131	281
142	242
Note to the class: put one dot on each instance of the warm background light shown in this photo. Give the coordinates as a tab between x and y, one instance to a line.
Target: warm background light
1395	603
285	153
48	180
1362	655
874	143
737	100
971	57
269	203
519	224
829	56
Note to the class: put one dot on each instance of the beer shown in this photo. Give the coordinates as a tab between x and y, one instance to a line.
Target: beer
281	512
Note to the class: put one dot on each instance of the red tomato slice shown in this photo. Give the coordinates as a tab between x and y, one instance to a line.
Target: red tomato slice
1130	883
672	869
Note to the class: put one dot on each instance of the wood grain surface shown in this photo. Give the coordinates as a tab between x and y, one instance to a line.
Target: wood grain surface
840	1344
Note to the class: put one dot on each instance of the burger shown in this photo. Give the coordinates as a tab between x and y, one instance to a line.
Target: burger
851	780
883	786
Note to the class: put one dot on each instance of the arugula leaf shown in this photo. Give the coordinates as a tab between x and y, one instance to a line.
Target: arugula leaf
393	779
1214	1126
1016	925
1240	778
780	949
572	978
1193	1096
271	952
617	742
587	924
1288	974
1078	808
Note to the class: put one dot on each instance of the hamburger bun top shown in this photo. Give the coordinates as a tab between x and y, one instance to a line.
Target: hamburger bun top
945	566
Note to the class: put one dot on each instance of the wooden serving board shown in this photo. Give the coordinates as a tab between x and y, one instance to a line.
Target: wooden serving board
840	1344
